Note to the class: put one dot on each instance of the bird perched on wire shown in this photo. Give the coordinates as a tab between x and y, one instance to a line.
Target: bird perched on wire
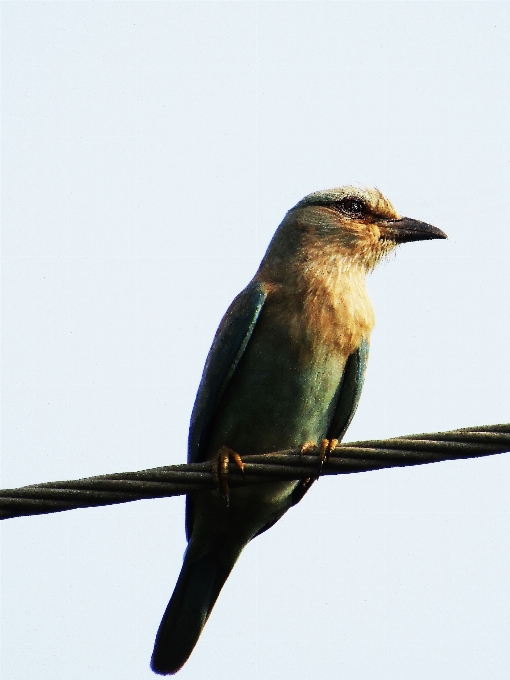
286	368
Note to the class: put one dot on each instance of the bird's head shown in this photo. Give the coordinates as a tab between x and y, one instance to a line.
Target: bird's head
357	224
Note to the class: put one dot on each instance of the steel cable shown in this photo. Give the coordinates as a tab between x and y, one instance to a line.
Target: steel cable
174	480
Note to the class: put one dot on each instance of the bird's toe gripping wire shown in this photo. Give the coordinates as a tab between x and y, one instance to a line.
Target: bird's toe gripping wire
324	449
220	469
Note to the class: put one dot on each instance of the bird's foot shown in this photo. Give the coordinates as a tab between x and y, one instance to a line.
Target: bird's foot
325	448
220	469
307	446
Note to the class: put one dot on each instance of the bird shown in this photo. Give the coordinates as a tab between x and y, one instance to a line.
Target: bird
285	370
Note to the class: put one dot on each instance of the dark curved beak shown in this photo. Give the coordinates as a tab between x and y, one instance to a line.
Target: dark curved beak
406	229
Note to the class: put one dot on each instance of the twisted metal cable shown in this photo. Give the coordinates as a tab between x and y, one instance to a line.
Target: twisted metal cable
175	480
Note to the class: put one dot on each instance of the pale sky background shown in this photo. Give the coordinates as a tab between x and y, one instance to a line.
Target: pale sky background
149	151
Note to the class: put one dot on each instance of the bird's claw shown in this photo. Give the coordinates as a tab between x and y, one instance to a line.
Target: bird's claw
325	448
220	469
307	446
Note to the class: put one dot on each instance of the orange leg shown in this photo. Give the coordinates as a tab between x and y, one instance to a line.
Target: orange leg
220	469
307	446
325	448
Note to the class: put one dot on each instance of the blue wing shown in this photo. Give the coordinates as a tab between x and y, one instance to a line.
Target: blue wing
349	392
228	346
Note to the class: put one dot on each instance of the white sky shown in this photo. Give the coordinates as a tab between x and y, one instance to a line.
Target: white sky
149	151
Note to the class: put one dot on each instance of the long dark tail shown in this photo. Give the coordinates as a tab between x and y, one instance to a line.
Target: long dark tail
195	593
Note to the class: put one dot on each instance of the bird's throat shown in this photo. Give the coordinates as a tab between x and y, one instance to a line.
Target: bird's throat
325	305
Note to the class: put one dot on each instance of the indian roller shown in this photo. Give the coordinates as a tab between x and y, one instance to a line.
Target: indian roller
286	368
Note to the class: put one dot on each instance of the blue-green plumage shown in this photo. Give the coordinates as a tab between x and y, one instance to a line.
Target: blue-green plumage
286	367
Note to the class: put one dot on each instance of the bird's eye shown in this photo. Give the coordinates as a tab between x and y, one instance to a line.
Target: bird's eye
352	206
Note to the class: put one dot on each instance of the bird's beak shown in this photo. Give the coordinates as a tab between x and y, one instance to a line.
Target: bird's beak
405	229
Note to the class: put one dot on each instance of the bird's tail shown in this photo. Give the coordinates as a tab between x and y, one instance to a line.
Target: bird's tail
196	591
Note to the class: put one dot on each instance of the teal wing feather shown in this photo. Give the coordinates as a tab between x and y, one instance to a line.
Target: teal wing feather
201	580
229	344
349	392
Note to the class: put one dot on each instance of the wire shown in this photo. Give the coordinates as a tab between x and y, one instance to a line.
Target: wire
174	480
